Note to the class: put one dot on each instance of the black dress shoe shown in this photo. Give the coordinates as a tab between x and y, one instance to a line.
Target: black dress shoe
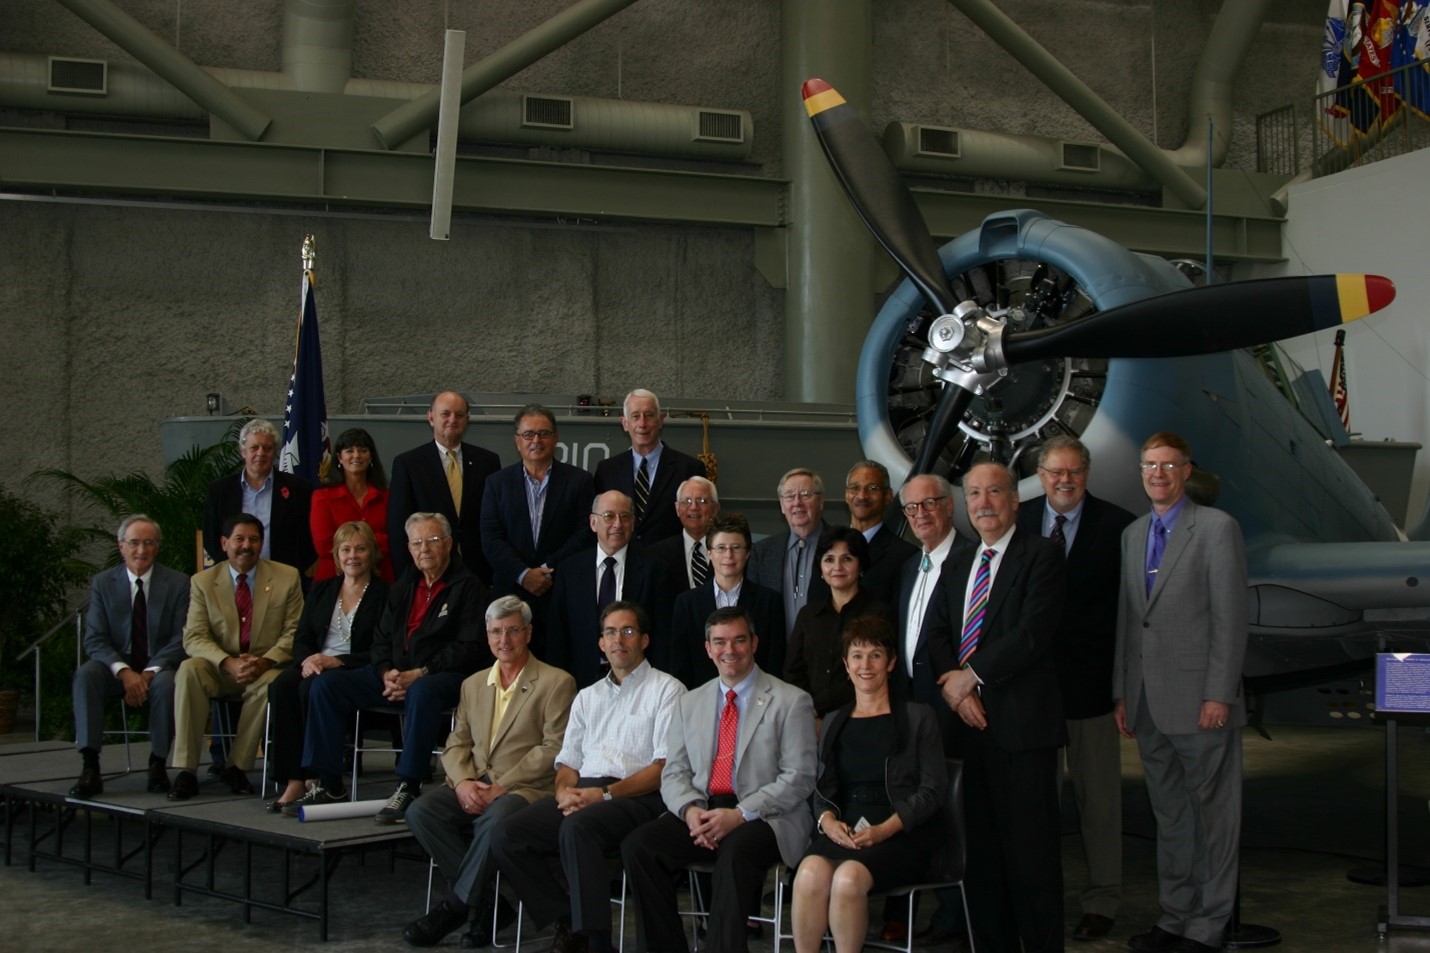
1155	940
236	780
430	929
566	941
186	785
1187	945
1092	926
158	778
89	785
480	936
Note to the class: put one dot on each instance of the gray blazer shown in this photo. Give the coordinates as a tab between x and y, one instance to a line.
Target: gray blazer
775	761
1185	642
107	622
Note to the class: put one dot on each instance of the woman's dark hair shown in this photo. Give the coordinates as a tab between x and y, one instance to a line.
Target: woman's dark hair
849	536
871	631
357	437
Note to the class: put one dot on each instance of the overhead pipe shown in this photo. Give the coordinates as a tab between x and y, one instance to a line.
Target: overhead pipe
1077	94
1236	26
318	44
409	119
180	71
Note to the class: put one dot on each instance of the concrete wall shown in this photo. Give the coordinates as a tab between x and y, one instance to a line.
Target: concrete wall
114	317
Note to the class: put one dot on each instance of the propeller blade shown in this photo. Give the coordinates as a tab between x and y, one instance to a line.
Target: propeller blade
876	191
942	426
1209	319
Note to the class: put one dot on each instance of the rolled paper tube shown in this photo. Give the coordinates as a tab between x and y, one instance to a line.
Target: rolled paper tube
340	812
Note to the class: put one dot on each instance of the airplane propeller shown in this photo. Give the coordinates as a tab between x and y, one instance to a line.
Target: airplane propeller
969	349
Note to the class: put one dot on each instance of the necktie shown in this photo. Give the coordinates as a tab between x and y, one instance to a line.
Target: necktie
243	598
606	594
642	489
1159	546
699	565
1057	535
454	481
977	608
139	630
722	772
798	567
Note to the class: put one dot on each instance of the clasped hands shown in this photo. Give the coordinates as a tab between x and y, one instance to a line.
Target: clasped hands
475	796
395	683
136	686
709	826
958	687
847	837
572	799
245	668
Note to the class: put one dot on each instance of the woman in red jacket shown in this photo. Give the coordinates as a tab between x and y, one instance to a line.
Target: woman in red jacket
354	488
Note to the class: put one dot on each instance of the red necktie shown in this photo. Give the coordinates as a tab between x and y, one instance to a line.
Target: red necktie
722	772
243	598
139	630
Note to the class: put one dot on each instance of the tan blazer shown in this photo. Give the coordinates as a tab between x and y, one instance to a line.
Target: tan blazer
211	631
523	758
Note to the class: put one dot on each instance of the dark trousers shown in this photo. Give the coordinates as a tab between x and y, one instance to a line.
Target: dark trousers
524	845
1015	873
656	854
336	695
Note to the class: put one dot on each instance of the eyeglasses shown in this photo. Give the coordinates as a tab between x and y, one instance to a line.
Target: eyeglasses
536	434
1164	467
694	501
1064	473
928	505
624	632
141	543
734	549
510	632
872	488
802	495
609	518
417	545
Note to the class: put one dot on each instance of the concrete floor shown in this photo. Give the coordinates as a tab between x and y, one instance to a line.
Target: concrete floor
1314	810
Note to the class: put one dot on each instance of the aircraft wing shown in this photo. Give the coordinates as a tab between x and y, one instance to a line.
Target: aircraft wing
1326	585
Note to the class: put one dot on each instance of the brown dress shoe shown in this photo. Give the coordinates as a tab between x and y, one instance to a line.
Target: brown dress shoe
1092	926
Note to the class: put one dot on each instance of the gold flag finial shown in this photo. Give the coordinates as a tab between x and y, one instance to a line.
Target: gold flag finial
309	252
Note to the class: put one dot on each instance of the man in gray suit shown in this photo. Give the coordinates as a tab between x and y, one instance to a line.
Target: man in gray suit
134	636
784	562
1176	681
737	800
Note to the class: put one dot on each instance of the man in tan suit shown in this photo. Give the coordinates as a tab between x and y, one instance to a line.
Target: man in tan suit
500	757
242	616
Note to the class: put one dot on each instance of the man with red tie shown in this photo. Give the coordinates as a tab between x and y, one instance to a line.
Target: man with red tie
242	616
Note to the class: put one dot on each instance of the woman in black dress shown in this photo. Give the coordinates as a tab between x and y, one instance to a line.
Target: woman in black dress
878	802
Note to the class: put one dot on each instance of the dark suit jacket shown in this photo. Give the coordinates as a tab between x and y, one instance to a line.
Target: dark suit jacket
670	553
1014	657
573	626
107	621
887	555
419	485
923	686
318	613
1087	634
660	521
767	564
452	636
688	661
506	525
290	540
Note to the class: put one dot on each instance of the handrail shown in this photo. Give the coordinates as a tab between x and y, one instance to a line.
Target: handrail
78	614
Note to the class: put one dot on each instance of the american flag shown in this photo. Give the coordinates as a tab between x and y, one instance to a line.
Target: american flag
1339	394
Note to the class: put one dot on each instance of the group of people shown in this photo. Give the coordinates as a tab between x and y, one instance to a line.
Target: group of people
571	621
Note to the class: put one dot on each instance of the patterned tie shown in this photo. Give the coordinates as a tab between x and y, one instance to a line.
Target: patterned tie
454	481
1159	546
606	594
798	567
699	565
642	489
722	772
243	598
139	630
1057	534
977	608
925	564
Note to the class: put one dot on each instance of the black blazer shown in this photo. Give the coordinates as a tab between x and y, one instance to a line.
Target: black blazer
453	634
290	540
813	661
887	555
1014	657
660	520
915	774
318	613
419	485
1087	634
506	525
923	686
573	626
670	553
688	661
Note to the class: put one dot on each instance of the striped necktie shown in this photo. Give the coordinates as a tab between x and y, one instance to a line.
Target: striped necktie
977	608
642	489
699	565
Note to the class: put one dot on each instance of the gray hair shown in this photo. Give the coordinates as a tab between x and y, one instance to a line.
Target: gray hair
534	410
800	471
129	521
509	605
437	518
874	465
1063	442
257	426
714	494
640	393
944	487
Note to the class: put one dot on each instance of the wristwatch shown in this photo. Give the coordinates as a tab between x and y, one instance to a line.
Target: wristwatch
605	793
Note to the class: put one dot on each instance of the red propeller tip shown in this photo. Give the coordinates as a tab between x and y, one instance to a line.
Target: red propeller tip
1379	292
813	87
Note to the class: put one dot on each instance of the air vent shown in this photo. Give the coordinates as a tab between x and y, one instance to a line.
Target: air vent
69	75
546	112
934	141
1081	157
720	126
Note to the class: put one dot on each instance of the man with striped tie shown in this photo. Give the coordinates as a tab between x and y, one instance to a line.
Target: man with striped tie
991	624
651	472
